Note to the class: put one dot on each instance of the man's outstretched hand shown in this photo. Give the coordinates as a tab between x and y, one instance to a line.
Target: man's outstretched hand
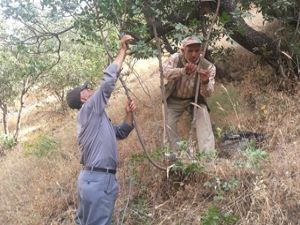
122	51
125	40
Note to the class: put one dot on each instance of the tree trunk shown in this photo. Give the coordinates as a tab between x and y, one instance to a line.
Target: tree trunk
3	107
23	92
254	41
260	44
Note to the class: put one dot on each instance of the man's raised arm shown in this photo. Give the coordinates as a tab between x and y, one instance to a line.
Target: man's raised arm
122	51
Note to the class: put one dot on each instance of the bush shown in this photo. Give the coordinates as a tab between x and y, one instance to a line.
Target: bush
252	156
214	216
7	142
41	146
187	168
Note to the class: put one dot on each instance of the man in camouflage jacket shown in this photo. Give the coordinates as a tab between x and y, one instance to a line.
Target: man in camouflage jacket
181	71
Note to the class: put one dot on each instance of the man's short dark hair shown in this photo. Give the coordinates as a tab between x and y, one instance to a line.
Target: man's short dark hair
73	96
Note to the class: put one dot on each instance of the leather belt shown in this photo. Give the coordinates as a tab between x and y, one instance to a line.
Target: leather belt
179	98
98	169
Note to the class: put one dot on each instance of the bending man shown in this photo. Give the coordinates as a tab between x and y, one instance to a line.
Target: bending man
181	70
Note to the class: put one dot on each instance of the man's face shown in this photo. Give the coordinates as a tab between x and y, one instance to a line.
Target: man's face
85	94
192	52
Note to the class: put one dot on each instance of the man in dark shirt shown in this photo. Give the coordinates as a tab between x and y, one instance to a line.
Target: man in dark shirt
97	139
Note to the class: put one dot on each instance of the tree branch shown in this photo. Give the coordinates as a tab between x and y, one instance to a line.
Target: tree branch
193	124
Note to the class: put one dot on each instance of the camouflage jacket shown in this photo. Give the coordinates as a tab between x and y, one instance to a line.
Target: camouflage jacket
181	85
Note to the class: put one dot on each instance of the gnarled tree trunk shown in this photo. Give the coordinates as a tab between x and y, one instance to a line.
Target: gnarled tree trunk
272	51
23	92
3	107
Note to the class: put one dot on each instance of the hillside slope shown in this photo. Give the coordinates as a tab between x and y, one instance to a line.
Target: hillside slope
257	185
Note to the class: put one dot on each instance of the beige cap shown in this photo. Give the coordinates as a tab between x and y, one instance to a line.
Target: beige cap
191	40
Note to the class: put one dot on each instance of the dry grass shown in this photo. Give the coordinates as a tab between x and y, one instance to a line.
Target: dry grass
43	190
268	195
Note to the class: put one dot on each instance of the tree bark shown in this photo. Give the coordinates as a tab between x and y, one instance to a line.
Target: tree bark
254	41
3	107
260	44
23	92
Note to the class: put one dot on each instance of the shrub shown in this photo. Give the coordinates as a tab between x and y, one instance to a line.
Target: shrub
214	216
221	186
187	168
41	146
7	142
252	156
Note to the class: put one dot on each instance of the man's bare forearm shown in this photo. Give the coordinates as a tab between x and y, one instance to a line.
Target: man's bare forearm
120	58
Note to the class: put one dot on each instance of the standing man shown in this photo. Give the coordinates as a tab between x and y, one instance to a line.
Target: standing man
97	139
181	71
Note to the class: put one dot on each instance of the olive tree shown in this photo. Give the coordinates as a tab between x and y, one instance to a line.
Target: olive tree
37	41
78	63
23	63
174	19
44	50
19	74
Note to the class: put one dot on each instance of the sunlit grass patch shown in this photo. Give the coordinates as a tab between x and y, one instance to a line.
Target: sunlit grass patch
41	146
227	108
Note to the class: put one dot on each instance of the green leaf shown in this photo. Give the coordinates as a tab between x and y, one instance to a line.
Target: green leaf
224	18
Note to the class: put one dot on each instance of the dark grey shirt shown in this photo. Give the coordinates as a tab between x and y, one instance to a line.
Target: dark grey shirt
96	135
